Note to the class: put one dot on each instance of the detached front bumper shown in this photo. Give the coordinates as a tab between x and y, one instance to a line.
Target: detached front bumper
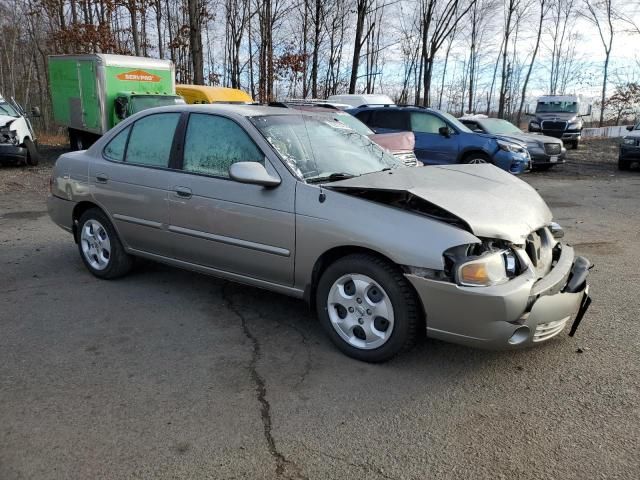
12	152
519	313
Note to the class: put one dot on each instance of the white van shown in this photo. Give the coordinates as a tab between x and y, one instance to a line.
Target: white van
360	100
17	138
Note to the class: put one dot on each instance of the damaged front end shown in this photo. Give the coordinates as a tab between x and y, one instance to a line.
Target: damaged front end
10	149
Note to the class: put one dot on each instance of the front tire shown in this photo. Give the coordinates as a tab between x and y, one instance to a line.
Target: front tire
623	164
100	248
368	308
476	159
33	157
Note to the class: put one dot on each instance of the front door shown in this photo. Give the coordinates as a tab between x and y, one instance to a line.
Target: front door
433	148
219	223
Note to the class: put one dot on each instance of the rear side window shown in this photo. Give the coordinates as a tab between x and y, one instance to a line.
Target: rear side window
115	148
393	120
426	123
151	139
214	143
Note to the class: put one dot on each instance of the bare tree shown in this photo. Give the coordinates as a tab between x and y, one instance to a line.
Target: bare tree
601	15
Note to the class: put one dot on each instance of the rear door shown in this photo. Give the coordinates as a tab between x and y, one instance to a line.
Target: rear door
432	147
214	221
131	182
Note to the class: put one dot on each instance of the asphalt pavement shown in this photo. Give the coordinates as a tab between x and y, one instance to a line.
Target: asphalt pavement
167	374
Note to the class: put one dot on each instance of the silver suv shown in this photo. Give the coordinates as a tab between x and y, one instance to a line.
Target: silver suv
277	199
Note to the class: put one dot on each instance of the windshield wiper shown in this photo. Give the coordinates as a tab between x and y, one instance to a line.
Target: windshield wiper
330	178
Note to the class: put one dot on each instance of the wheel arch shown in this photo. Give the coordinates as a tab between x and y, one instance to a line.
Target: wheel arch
77	212
473	151
336	253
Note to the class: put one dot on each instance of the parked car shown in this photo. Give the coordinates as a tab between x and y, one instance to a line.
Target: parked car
442	139
356	100
277	199
545	152
17	137
399	144
207	94
629	148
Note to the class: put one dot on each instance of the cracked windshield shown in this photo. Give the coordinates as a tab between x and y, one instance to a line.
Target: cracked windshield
322	150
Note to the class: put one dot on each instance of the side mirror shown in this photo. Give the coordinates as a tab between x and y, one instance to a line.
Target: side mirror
444	131
252	173
35	112
630	128
121	108
588	114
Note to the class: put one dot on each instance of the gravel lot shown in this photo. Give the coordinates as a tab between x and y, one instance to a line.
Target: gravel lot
170	374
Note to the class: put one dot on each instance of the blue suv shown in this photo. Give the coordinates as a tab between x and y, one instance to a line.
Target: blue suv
442	139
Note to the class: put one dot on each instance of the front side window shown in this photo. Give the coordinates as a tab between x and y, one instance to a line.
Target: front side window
214	143
426	123
151	139
115	148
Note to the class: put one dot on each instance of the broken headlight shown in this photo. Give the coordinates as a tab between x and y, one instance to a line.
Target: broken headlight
8	136
491	263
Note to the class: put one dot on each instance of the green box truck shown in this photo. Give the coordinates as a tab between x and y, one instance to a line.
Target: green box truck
91	93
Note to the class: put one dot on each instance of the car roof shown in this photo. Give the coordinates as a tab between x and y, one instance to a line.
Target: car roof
242	110
404	108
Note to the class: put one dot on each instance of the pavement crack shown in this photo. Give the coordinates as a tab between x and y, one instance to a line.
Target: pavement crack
368	468
261	393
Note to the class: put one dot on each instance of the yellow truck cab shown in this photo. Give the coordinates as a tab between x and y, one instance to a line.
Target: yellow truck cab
206	94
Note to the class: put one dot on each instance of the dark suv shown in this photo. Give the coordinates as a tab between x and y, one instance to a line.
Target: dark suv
442	139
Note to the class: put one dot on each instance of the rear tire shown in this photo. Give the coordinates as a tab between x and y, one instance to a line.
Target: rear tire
100	248
359	299
33	157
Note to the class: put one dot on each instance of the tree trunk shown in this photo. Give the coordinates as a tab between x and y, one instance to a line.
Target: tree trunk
195	41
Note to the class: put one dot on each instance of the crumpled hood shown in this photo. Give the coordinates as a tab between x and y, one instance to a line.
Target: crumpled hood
494	203
5	119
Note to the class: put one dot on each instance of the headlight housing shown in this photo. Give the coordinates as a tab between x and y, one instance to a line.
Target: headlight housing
511	147
629	141
577	125
489	269
534	125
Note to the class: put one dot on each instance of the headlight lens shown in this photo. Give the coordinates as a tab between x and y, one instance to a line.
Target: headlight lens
629	141
575	125
490	269
510	147
534	125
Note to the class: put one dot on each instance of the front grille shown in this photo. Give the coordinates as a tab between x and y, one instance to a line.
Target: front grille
552	148
552	125
408	158
545	331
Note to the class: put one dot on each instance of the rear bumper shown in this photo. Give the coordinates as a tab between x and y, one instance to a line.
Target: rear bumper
61	212
12	152
516	314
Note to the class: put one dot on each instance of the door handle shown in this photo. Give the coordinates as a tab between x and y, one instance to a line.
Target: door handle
102	178
183	192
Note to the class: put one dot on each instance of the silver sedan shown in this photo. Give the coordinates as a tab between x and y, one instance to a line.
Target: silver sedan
281	200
